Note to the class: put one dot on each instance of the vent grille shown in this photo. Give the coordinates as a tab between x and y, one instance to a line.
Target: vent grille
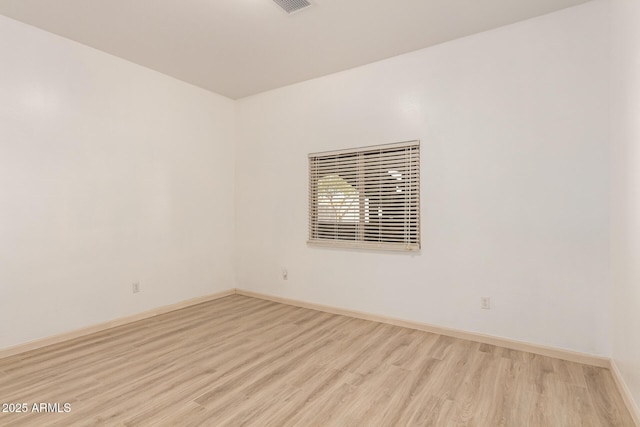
291	6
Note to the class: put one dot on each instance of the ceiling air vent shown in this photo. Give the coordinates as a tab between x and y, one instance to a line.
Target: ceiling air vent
291	6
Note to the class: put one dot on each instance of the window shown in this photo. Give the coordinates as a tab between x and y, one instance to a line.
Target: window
366	198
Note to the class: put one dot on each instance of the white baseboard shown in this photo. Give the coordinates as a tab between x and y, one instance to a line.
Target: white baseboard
625	392
471	336
55	339
572	356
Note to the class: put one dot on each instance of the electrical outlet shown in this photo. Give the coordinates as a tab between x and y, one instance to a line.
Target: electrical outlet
135	288
285	274
485	303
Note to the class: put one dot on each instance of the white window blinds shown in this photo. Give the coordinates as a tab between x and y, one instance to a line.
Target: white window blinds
366	198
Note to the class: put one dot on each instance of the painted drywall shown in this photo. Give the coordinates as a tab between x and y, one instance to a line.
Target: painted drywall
110	174
513	126
625	185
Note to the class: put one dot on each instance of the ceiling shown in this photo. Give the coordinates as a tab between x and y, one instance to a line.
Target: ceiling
239	48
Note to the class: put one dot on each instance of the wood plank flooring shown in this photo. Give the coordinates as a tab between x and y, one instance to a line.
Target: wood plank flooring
241	361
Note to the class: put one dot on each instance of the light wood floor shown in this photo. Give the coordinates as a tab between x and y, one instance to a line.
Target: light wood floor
244	361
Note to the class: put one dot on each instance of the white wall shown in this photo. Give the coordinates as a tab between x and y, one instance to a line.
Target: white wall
110	173
625	184
514	129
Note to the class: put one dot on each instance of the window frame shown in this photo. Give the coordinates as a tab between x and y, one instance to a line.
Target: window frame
362	176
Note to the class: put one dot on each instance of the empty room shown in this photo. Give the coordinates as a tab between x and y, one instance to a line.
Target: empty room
320	213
